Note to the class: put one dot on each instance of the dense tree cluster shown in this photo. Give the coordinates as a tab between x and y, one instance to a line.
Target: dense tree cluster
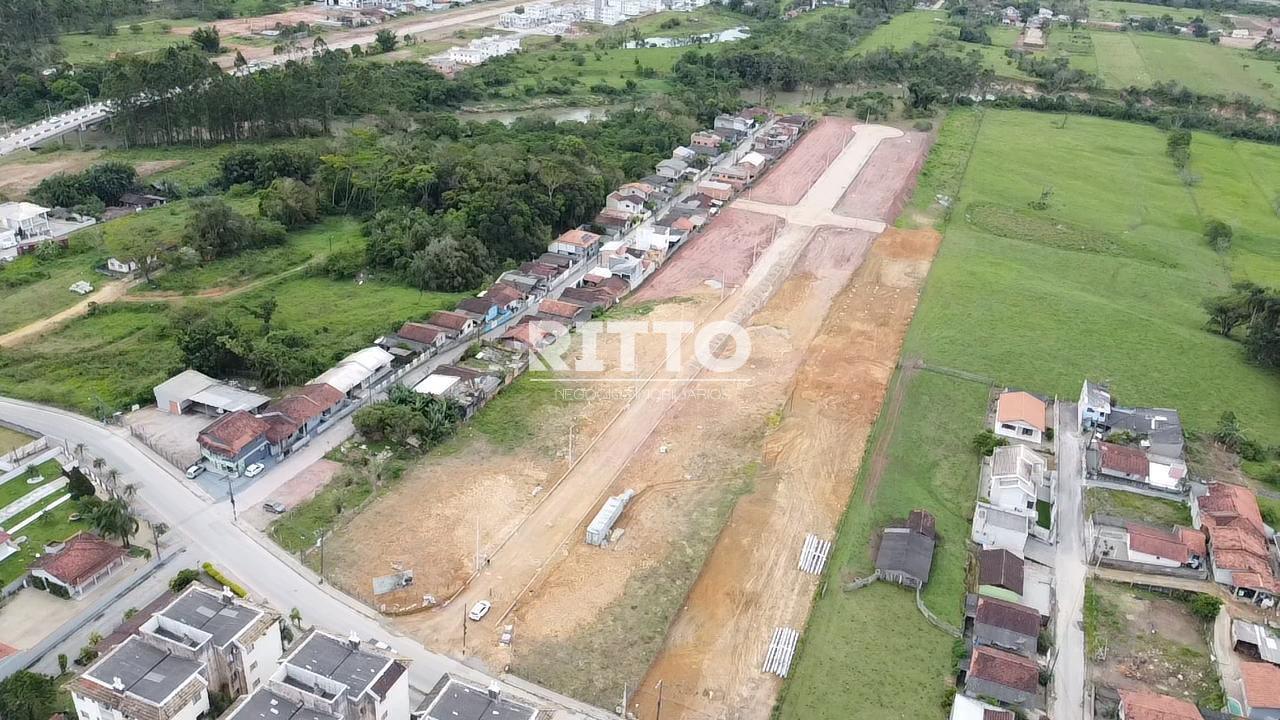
1255	308
216	230
405	414
244	340
450	201
260	167
96	187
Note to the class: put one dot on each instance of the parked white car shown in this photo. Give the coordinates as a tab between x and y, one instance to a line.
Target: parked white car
479	610
194	471
254	469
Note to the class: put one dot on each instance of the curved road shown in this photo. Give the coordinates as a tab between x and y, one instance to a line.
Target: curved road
246	556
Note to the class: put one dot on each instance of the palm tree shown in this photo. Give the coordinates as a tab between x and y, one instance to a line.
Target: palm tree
110	482
129	491
295	616
79	451
98	464
114	518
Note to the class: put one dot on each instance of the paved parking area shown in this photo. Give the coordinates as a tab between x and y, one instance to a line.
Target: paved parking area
173	436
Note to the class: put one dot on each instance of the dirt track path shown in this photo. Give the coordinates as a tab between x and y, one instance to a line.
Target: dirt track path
108	293
217	293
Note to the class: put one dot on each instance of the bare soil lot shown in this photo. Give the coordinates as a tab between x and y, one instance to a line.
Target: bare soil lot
883	187
1142	641
791	178
724	252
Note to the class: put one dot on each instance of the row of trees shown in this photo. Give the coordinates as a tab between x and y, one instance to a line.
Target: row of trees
407	414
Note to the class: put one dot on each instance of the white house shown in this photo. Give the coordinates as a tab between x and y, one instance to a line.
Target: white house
356	371
736	123
672	168
1094	406
1017	475
139	680
1020	415
576	243
26	219
627	202
995	527
481	49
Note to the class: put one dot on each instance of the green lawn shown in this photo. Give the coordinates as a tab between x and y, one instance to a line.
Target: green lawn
33	289
869	653
613	67
1111	11
905	30
1129	58
17	488
91	47
51	527
303	246
1132	506
1125	306
708	19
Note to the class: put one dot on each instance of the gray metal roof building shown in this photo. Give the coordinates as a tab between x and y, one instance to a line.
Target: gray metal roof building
264	704
905	556
194	389
142	670
339	661
452	699
206	611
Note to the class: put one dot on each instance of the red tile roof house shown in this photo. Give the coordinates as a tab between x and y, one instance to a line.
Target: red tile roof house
576	243
234	441
1238	545
291	420
1011	679
1123	462
421	337
77	565
455	323
507	296
1261	685
566	312
1150	706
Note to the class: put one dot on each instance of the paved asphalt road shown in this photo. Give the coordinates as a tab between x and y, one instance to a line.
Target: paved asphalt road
211	534
1069	666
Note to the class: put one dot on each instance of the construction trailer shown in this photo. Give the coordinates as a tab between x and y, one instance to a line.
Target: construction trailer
600	527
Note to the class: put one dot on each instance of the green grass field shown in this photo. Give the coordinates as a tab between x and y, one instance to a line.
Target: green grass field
1125	307
613	67
1114	11
303	246
1133	506
853	638
1032	311
110	360
49	294
12	440
1125	59
90	47
904	30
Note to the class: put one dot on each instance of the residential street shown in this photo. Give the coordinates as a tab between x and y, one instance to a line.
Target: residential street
211	535
1070	567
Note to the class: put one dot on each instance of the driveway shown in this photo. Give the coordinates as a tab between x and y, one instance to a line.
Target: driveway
1070	568
1225	656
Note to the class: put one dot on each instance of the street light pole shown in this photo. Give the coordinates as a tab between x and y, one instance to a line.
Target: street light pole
658	715
232	494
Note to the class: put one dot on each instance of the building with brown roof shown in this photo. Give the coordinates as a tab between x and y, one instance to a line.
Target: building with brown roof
566	312
1006	625
1118	540
1021	415
1004	676
77	565
1261	689
1123	462
1135	705
455	323
294	417
422	336
507	296
577	243
999	568
234	441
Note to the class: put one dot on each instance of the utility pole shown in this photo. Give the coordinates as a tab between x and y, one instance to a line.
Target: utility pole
477	548
232	494
320	544
464	631
570	443
624	701
658	715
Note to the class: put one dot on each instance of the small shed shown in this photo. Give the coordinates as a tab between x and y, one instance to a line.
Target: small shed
906	552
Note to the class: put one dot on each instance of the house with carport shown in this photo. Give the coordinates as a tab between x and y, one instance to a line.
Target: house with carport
234	441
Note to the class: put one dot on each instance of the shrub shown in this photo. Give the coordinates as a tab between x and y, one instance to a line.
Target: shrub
922	126
986	442
183	579
223	580
1205	607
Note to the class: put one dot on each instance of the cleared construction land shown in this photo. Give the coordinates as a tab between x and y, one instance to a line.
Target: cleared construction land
718	461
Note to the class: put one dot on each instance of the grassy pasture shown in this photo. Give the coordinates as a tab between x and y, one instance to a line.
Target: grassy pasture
1105	283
